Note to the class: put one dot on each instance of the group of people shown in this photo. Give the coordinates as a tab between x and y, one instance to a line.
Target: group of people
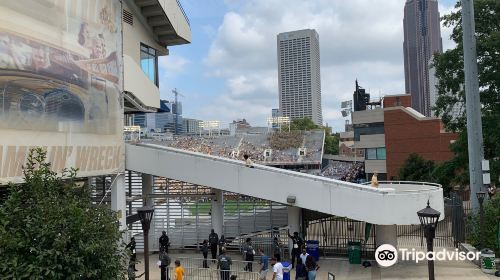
163	262
355	173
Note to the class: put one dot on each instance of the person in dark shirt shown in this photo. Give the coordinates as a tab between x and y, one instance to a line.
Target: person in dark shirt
164	242
204	251
224	263
312	267
213	240
277	249
248	253
300	270
222	243
133	256
298	242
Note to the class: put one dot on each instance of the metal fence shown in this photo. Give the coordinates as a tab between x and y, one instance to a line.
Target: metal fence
264	240
335	233
195	273
450	232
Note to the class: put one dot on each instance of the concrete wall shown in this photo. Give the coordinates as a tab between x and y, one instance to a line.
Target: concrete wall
371	141
368	116
378	166
406	134
359	202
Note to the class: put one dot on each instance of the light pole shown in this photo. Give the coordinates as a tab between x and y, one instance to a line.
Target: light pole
146	215
480	198
429	219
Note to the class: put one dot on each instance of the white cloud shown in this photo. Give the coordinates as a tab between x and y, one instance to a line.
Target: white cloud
172	64
358	39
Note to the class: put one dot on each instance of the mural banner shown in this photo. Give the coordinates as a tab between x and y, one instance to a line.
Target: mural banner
61	85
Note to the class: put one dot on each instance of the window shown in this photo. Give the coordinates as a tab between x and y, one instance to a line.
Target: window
375	153
149	63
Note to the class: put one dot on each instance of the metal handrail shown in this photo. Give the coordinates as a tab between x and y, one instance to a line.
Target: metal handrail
183	12
344	184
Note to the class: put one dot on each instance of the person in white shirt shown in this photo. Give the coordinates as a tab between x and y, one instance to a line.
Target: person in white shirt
304	255
277	269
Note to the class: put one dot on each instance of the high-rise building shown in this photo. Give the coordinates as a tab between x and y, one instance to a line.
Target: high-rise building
299	75
422	38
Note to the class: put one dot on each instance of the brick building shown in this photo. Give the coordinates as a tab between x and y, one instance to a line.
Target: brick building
389	133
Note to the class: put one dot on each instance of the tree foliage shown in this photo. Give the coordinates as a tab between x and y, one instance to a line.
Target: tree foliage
449	71
332	143
416	168
491	220
49	229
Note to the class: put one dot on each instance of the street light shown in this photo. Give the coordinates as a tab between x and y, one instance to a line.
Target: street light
146	215
480	197
429	219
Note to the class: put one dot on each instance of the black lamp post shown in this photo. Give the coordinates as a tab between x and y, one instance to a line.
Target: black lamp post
146	215
480	197
429	219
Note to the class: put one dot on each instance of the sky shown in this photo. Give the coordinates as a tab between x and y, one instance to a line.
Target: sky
229	71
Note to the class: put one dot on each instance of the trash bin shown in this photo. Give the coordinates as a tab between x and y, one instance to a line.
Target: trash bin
488	261
354	252
312	247
286	270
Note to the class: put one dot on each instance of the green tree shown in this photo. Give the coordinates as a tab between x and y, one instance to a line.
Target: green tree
416	168
303	124
49	229
491	220
331	143
449	71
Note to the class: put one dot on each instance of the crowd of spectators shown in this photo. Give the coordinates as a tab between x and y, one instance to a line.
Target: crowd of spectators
356	174
337	169
283	147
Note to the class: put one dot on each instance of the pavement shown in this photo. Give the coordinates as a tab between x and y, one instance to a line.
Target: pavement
340	267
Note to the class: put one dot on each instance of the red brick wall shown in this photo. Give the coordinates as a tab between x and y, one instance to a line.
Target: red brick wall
405	135
400	100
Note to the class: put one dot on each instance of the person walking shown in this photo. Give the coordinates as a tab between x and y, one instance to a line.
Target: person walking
133	256
131	271
204	251
277	249
248	254
222	243
224	263
264	265
300	270
213	240
304	255
164	261
277	269
312	268
298	242
179	271
164	242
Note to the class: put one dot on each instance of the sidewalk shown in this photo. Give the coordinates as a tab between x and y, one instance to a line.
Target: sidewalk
450	270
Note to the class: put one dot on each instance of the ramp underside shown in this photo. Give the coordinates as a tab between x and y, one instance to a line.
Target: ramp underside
333	197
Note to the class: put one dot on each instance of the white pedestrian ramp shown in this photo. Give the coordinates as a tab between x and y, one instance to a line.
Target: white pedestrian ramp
390	204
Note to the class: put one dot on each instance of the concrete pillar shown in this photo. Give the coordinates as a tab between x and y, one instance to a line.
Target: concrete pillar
386	235
147	190
118	201
218	212
294	221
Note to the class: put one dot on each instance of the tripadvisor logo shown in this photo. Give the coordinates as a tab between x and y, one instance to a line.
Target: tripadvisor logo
386	255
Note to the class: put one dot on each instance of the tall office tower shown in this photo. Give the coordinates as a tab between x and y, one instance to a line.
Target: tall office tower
299	75
422	38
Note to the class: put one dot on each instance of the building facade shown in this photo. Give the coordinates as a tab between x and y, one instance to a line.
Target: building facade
299	75
422	38
390	133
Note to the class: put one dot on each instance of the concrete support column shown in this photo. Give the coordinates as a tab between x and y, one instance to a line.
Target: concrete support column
294	221
147	190
386	235
118	201
218	212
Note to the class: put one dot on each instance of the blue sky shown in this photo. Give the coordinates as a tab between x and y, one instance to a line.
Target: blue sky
229	70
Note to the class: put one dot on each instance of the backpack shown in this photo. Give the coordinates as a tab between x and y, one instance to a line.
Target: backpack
165	259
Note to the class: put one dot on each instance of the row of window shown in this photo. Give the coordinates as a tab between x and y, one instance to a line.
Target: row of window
375	153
